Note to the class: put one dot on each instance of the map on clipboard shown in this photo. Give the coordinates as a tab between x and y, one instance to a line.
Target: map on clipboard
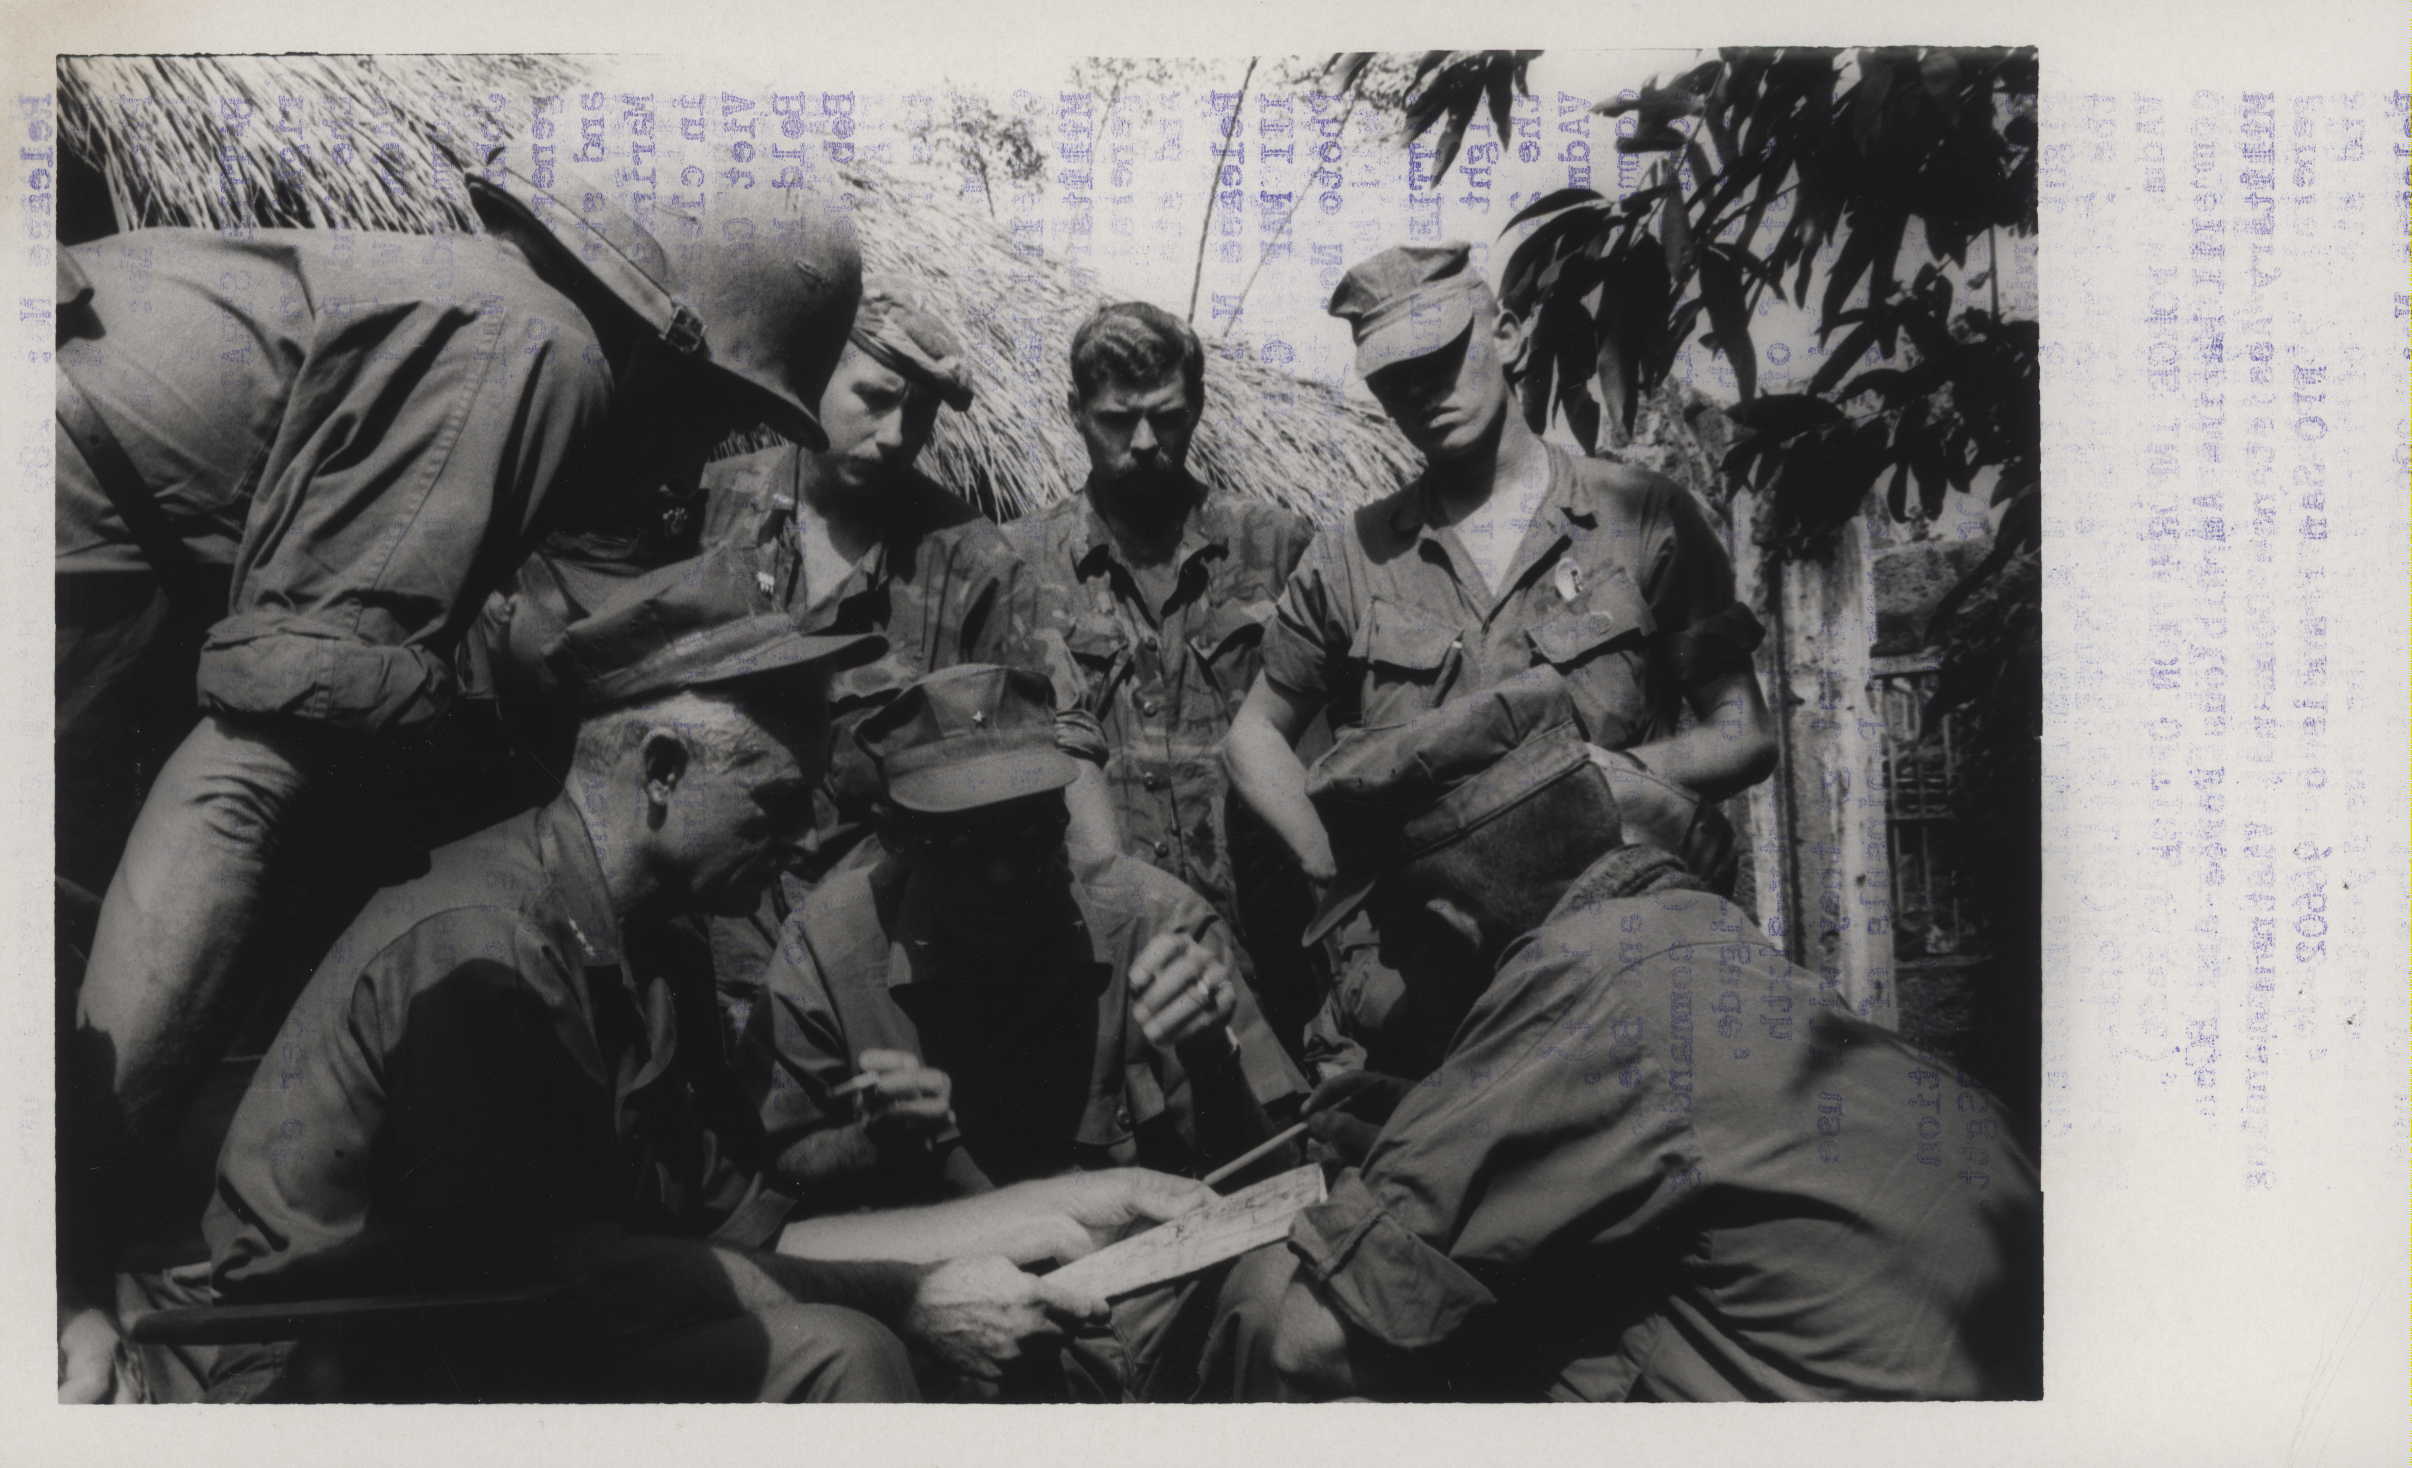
1204	1236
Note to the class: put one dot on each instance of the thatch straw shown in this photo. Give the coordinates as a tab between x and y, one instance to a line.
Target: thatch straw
151	127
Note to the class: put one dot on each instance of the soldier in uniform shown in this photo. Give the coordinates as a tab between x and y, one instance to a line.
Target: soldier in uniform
289	468
1162	589
492	1081
971	1010
1651	1165
1505	554
856	539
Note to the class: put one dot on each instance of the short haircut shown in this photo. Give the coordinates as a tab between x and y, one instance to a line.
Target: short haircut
726	724
1136	345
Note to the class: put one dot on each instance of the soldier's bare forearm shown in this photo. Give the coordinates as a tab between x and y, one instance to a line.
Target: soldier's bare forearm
1269	777
1732	746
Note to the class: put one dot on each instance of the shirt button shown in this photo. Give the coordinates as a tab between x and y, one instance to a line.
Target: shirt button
1148	704
1152	781
1163	848
1122	1116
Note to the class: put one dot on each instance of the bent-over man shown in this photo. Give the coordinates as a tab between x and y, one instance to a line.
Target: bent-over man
1651	1166
290	466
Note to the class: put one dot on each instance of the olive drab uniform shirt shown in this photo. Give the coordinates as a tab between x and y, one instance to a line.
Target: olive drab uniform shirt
290	466
1163	683
1653	1166
1621	585
481	1068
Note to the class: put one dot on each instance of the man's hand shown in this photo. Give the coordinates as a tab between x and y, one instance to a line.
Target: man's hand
907	1103
87	1357
1082	1212
1346	1112
979	1316
1180	989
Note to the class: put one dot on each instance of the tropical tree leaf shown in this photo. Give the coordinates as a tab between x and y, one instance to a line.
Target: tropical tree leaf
1551	203
1500	83
1675	227
1617	397
1721	289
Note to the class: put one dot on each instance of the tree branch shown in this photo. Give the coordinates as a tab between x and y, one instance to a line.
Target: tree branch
1213	187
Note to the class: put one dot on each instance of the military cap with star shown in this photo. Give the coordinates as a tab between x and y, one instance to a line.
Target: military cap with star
972	735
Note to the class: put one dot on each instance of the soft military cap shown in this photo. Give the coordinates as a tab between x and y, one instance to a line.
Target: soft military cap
693	624
1409	301
896	328
972	735
1389	797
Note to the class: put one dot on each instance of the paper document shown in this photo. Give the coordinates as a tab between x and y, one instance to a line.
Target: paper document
1204	1236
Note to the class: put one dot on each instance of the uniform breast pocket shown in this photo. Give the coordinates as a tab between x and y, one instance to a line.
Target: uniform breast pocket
1603	653
1101	650
1410	659
1228	645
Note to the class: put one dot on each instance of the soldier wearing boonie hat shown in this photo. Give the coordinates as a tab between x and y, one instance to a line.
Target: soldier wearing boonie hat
856	538
998	1015
1653	1163
1506	553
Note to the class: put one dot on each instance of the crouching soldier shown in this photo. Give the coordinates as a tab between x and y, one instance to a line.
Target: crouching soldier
971	1011
492	1081
1651	1166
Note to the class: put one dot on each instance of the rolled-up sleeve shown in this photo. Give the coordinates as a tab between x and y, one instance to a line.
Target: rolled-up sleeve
1307	641
1702	630
419	441
1378	1275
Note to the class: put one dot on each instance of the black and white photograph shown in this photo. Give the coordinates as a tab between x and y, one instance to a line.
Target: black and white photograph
1091	728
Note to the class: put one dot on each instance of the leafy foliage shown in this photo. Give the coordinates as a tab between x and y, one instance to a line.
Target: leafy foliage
1775	162
1446	87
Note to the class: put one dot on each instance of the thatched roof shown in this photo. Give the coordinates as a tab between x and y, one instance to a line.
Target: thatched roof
150	127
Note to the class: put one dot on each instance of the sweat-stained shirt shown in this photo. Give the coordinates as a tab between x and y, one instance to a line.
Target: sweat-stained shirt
479	1071
1654	1167
1049	1068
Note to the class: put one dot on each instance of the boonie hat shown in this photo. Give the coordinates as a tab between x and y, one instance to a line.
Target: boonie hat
1409	301
896	328
1391	796
691	624
972	735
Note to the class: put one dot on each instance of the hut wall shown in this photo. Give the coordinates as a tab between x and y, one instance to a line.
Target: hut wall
1823	881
